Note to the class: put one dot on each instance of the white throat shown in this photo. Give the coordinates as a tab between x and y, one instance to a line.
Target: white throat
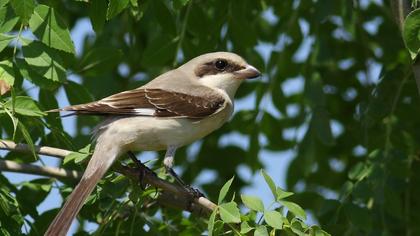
224	82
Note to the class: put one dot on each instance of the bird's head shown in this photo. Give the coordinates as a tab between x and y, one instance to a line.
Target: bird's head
223	70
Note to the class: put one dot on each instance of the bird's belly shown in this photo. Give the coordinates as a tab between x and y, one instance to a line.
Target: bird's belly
149	133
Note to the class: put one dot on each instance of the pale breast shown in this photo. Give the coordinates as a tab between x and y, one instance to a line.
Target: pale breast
151	133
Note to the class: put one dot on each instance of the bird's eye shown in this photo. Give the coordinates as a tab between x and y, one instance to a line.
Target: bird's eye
221	64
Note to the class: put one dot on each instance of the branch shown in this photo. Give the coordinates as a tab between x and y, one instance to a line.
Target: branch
172	195
400	9
59	173
48	151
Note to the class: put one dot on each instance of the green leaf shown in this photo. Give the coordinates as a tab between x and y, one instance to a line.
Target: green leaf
253	203
210	226
229	212
23	8
7	73
12	219
25	106
5	40
180	3
115	7
281	194
100	60
224	190
78	156
32	193
97	14
77	93
297	226
411	32
360	171
245	228
322	127
3	3
261	230
274	219
270	183
50	29
45	61
8	19
295	209
35	78
27	138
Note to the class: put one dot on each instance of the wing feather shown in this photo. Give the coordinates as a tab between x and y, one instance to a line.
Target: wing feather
153	102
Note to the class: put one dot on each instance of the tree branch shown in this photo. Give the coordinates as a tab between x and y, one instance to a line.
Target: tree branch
172	195
59	173
44	150
400	9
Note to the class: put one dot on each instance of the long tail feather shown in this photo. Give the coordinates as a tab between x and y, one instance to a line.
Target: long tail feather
105	154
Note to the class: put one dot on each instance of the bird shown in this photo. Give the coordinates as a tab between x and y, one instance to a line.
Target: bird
173	110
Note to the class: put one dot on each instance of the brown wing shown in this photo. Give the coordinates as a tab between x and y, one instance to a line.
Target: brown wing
152	102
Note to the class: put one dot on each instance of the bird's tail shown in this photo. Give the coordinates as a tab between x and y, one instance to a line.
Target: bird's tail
104	155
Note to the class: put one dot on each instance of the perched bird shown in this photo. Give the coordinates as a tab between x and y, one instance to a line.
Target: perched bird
173	110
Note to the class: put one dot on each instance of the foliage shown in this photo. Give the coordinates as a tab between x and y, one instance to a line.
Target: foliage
275	218
352	132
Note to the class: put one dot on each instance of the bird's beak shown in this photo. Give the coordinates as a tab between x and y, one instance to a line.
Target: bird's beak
249	72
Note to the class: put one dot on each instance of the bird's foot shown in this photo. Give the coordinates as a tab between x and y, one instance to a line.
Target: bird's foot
192	191
143	170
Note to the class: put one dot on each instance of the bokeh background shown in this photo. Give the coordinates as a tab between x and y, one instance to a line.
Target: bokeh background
333	118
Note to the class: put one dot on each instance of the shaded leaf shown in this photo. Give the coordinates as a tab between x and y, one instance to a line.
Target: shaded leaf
97	13
23	8
8	19
99	60
411	32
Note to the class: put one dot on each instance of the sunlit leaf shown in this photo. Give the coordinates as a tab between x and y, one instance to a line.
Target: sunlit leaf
294	208
45	61
270	183
245	228
115	7
229	212
224	191
261	230
253	203
7	76
50	29
25	106
274	219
